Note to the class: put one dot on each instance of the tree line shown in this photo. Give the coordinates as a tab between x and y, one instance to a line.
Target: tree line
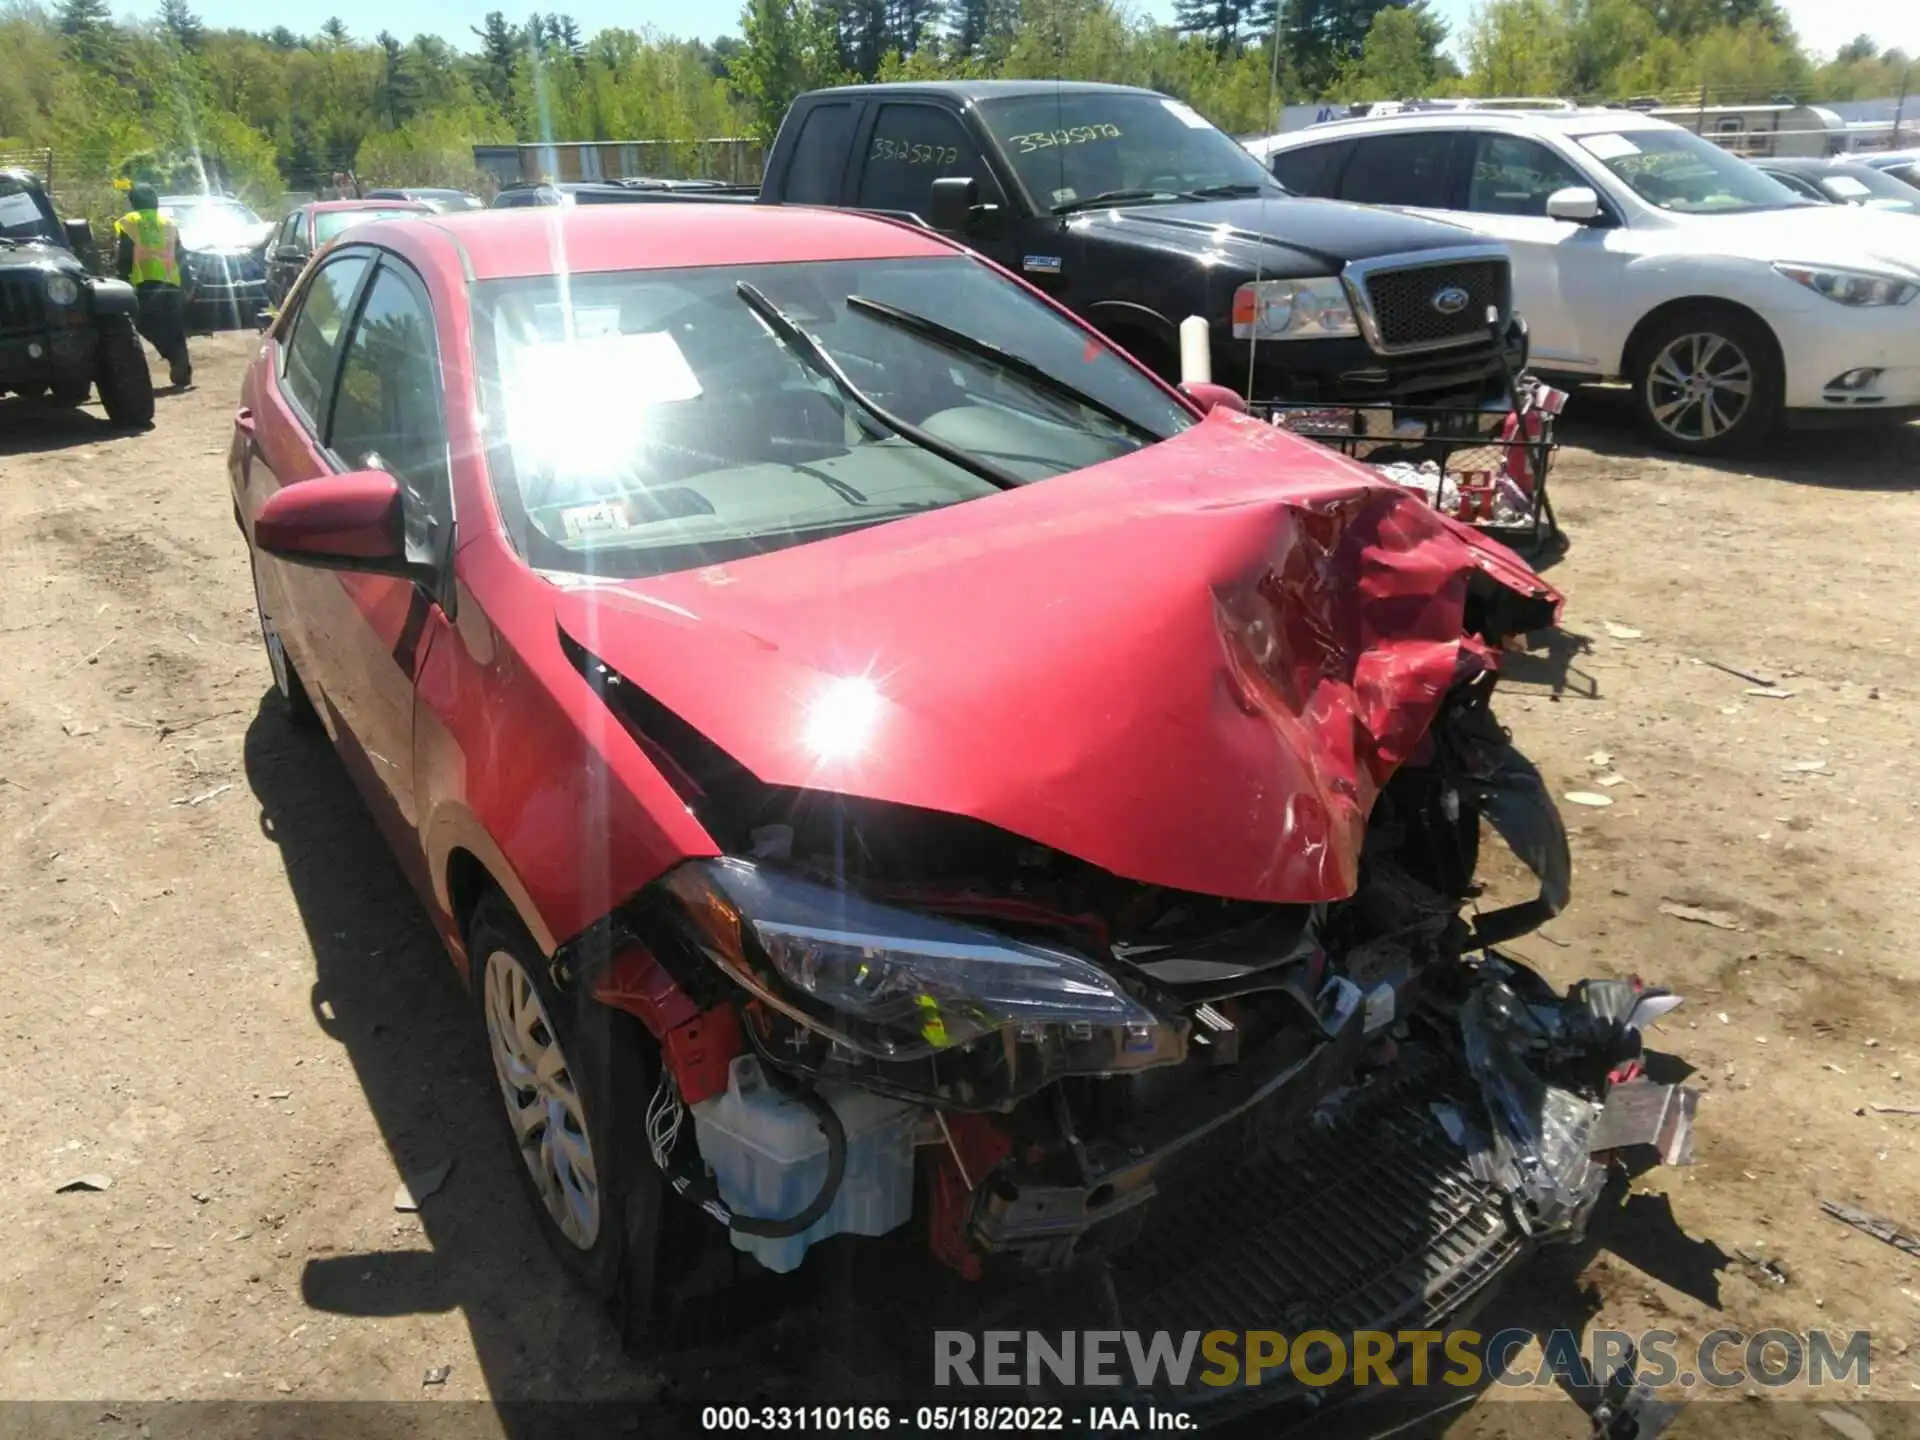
270	110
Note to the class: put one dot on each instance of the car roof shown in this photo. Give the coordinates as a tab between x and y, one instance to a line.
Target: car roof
988	89
1590	120
328	206
545	240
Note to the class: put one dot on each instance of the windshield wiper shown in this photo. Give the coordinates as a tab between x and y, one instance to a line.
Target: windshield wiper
993	354
809	352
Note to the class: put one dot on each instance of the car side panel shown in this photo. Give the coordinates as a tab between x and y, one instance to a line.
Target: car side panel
518	762
515	760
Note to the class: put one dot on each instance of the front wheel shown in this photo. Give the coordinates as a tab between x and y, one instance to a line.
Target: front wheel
572	1078
1707	382
123	380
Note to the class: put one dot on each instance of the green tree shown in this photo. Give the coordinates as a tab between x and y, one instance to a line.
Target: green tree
500	50
334	33
1395	62
179	21
788	46
399	86
1517	47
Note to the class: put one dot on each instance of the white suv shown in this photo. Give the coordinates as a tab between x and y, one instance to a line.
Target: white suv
1643	252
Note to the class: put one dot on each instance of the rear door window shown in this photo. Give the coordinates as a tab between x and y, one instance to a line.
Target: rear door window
911	147
1405	168
1311	169
820	155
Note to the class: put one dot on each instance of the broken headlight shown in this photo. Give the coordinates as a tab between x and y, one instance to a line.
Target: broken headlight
896	985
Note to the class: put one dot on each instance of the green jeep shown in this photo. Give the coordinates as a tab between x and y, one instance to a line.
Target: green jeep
64	331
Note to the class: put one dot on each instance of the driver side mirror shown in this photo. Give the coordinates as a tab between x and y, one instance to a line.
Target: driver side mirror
1576	203
79	235
955	207
339	522
290	254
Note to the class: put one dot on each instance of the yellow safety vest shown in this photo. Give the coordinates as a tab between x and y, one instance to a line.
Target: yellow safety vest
156	252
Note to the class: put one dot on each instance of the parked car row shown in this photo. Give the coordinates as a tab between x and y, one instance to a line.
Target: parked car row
1724	295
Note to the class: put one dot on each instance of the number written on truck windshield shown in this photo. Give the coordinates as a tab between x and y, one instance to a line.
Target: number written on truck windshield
1073	135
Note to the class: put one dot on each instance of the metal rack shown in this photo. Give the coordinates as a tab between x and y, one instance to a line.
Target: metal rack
1487	468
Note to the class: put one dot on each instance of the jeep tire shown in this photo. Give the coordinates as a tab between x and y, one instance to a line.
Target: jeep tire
122	378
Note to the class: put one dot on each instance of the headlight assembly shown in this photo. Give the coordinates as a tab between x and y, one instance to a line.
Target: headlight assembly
896	986
61	290
1316	309
1857	288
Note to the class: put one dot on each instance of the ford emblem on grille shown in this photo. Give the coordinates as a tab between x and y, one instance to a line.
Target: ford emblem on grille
1450	300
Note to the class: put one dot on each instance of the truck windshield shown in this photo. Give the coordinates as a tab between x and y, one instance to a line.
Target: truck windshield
1075	146
647	421
1677	170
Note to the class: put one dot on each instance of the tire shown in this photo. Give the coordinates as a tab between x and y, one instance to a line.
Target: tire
72	392
587	1103
123	380
286	679
1707	381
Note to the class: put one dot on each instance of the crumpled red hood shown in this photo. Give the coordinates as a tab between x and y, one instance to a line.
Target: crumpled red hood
1193	667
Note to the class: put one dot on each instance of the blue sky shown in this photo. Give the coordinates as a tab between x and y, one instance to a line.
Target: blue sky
1823	24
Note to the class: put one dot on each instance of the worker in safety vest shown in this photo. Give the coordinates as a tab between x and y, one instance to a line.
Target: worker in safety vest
149	259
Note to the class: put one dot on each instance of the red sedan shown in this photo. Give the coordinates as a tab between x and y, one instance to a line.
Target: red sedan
886	762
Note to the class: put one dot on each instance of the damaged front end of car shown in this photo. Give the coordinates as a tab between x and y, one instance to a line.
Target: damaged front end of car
1340	1114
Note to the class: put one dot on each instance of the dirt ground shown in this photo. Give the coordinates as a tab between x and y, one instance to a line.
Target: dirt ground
219	994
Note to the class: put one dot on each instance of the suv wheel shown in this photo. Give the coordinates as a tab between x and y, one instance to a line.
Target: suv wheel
1707	382
123	380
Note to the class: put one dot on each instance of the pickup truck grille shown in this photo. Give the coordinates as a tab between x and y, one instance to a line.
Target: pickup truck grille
1405	313
23	300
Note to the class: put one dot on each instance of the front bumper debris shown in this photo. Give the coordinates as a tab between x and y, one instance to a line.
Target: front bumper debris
1399	1205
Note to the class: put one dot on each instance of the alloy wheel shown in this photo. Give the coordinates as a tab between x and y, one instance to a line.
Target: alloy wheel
544	1107
1699	386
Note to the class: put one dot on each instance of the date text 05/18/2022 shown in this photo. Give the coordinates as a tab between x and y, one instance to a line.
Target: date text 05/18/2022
944	1419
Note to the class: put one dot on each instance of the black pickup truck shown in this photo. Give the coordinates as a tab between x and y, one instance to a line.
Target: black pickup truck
1135	212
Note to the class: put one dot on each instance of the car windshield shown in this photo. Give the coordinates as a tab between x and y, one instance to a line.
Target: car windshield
1863	185
329	223
1677	170
209	214
1075	147
649	421
21	217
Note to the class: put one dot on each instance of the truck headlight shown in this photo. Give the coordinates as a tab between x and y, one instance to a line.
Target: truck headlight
1316	309
899	985
61	290
1851	287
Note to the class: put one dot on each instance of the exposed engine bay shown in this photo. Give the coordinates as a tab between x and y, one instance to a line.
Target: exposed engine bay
875	1015
1069	1049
